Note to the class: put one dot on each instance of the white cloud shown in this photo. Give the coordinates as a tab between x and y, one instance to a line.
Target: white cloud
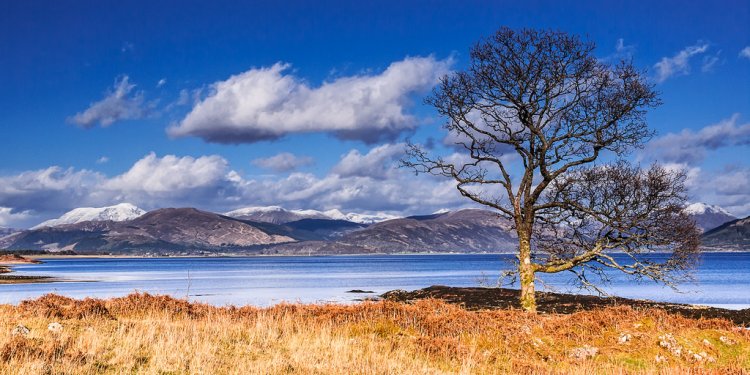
622	50
270	103
207	182
691	146
102	160
377	163
10	219
161	82
283	162
119	104
678	64
169	174
48	190
745	52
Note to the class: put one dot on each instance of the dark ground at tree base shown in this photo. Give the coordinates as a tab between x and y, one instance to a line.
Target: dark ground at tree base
501	298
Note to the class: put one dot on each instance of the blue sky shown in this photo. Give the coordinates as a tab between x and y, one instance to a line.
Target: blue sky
106	102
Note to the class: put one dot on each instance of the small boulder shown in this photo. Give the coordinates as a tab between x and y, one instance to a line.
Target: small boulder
624	338
660	359
727	341
55	327
668	342
584	352
20	330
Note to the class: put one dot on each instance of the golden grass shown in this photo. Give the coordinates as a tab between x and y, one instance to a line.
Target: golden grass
149	334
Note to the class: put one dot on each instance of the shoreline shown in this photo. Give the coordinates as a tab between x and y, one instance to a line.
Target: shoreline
478	298
7	262
124	256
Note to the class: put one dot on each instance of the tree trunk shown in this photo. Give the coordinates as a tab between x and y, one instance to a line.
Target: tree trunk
526	273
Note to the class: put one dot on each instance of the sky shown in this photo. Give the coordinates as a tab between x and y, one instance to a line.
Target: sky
307	105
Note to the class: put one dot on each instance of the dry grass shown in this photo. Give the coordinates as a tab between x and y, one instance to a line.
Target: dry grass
149	334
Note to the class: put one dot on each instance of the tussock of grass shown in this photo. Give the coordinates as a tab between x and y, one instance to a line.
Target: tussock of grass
150	334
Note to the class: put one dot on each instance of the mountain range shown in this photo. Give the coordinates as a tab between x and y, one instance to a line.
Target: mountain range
126	229
279	215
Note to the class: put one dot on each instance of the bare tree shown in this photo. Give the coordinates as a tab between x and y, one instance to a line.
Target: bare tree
530	116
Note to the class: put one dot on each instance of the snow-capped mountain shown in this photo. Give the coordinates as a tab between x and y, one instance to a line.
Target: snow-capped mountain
708	216
280	215
4	231
119	212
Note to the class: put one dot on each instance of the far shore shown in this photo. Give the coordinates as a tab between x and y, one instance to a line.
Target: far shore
137	256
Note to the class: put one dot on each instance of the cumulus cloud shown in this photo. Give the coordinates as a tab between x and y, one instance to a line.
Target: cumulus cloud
169	174
102	160
678	64
379	162
283	162
207	182
745	52
270	103
120	103
691	146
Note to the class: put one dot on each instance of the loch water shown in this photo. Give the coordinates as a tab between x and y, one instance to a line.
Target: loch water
721	279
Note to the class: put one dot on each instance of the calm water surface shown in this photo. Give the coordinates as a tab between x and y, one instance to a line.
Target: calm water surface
722	279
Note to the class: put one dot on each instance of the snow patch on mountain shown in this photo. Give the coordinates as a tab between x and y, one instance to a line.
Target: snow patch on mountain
119	212
699	208
280	214
708	216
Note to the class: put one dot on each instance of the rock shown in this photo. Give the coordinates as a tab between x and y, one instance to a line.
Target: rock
707	343
727	341
55	327
584	352
537	342
624	338
660	358
668	342
700	357
20	330
359	291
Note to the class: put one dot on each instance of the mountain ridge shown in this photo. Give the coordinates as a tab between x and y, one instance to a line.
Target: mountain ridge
118	212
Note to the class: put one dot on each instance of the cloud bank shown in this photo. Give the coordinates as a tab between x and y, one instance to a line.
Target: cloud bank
270	103
691	146
360	182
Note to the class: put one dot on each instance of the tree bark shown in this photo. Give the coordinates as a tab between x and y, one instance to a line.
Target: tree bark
526	273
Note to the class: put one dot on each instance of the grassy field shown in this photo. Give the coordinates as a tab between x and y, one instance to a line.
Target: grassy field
148	334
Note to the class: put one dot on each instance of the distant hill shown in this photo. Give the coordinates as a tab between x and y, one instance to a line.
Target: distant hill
708	216
469	230
191	231
734	235
119	212
172	231
280	215
167	230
